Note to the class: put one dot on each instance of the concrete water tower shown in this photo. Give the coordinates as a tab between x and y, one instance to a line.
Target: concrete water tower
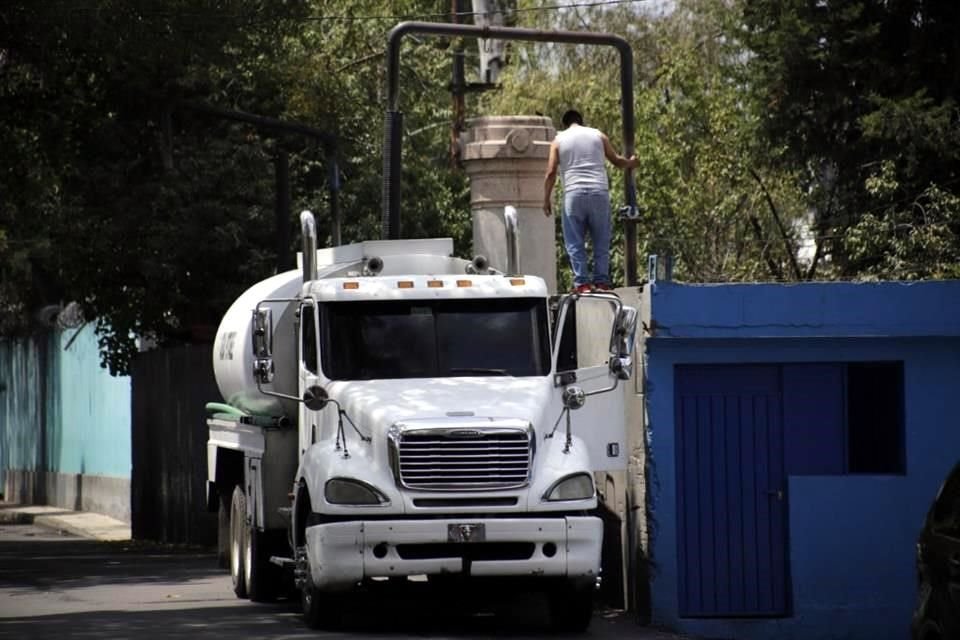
506	159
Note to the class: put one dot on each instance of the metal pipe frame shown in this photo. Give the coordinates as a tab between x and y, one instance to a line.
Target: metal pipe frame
391	165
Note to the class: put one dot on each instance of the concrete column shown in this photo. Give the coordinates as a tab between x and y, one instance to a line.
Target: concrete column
506	158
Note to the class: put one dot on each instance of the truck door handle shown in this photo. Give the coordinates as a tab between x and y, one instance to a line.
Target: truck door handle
775	493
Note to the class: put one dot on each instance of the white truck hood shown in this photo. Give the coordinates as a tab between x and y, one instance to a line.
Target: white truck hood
377	404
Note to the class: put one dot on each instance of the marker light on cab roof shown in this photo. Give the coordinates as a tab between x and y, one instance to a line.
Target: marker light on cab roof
434	284
518	282
351	285
405	284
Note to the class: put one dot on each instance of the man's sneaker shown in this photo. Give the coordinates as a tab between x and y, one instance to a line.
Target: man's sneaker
602	286
583	288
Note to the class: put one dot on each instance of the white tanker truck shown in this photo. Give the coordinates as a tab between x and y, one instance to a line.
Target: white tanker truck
393	411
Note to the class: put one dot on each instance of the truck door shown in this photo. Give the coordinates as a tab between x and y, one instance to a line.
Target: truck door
583	356
309	371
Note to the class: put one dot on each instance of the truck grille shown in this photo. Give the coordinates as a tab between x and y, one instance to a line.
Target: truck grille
451	459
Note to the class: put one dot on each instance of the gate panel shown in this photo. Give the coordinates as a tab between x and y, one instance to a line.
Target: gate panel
731	491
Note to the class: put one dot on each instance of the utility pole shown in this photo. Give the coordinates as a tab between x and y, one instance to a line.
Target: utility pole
457	90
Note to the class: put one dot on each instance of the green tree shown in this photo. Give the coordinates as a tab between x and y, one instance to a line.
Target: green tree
155	217
863	98
707	190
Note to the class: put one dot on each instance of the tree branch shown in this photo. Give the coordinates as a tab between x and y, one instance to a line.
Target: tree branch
783	232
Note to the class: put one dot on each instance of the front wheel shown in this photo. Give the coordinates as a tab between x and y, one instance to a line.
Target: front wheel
238	541
320	610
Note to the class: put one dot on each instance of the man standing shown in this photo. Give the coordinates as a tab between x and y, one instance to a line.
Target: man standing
578	152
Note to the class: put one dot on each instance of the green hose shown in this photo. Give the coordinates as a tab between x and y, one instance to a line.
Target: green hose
219	407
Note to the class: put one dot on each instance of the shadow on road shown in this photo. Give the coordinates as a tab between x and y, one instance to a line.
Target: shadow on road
74	562
370	619
72	588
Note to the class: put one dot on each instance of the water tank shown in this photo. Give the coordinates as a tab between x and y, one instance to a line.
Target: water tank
233	348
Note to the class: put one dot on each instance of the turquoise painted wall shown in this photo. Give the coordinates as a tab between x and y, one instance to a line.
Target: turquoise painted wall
60	410
92	411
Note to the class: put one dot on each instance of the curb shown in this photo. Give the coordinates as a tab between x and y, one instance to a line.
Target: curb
86	525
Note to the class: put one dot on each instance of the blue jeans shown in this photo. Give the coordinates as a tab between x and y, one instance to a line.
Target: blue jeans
587	211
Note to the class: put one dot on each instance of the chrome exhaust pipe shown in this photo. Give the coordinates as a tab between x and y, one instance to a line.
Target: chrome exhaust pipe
513	240
309	262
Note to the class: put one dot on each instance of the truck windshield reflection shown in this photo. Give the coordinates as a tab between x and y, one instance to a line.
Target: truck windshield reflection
435	338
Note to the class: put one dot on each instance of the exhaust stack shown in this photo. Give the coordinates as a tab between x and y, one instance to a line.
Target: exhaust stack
513	240
309	229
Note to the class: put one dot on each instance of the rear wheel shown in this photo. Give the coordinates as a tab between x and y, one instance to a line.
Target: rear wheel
238	541
571	608
223	531
261	577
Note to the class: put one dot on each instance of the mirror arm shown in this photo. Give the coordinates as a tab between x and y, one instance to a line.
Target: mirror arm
276	394
616	382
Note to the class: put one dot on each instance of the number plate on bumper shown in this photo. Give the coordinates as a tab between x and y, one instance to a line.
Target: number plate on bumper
466	532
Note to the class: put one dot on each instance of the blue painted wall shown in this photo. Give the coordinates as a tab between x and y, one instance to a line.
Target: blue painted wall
60	411
851	538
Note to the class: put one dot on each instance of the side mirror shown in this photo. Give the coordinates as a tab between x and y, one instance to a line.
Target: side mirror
315	397
262	334
262	338
621	343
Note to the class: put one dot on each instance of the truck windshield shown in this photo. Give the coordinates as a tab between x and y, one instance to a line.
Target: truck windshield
435	338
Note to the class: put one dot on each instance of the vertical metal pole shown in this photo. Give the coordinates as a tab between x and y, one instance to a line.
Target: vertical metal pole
629	184
393	138
282	211
457	89
333	183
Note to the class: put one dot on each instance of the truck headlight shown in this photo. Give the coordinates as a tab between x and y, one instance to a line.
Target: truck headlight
578	486
352	492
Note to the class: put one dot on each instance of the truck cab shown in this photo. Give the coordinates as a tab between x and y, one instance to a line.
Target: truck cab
431	416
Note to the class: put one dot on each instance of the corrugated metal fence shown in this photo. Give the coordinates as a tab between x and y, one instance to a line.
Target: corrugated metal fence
23	405
170	388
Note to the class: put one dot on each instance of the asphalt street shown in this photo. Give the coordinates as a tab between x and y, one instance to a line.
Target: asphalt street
55	585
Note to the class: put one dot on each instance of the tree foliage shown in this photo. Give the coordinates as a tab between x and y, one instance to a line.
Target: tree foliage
707	192
155	217
863	98
755	119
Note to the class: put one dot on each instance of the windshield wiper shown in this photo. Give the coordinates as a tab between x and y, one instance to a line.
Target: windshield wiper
489	371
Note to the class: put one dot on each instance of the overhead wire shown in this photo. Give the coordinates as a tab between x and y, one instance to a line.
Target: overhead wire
352	18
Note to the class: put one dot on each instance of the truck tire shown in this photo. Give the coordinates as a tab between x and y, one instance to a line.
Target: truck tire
321	610
223	531
571	608
261	578
238	543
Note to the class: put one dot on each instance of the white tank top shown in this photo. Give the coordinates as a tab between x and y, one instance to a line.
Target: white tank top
582	159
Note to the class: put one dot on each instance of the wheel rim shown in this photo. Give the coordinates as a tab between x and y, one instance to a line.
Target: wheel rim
248	558
234	553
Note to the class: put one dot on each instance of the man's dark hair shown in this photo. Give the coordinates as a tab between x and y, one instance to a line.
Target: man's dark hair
572	116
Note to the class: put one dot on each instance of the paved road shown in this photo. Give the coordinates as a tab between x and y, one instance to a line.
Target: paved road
55	585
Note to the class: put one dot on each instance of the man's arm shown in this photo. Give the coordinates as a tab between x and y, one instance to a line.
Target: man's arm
615	158
550	179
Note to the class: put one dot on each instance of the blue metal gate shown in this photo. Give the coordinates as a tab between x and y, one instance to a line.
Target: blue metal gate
731	491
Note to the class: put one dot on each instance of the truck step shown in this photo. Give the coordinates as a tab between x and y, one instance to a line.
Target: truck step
281	561
286	512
